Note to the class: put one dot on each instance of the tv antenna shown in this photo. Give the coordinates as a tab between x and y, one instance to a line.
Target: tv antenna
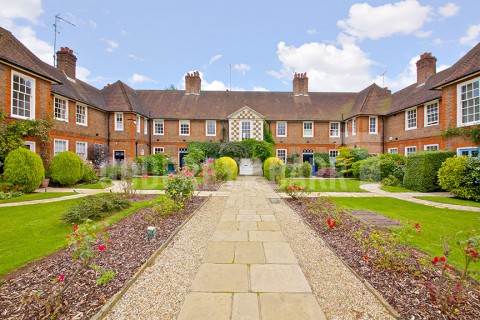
57	28
383	79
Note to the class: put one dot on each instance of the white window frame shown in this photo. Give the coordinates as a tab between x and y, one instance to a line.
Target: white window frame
138	123
459	150
145	126
310	135
32	95
55	152
336	132
32	145
214	134
407	118
354	127
278	130
159	122
119	124
250	128
393	150
183	122
86	149
59	98
427	124
370	125
331	151
425	147
283	158
410	147
160	150
460	122
346	128
85	123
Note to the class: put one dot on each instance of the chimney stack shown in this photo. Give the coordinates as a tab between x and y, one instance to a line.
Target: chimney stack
300	84
67	62
426	67
193	83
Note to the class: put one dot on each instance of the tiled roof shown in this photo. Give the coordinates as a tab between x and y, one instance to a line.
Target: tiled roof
121	98
14	52
174	104
371	100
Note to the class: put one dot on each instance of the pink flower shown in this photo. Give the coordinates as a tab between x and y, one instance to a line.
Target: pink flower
417	225
290	188
170	175
210	161
210	171
61	278
102	248
145	176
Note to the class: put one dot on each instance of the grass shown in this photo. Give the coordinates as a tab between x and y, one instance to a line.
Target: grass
37	196
328	185
98	185
35	231
153	183
435	223
447	200
395	189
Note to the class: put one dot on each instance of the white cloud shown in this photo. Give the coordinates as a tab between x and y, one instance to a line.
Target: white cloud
82	73
329	68
449	10
28	37
139	78
241	67
312	31
112	45
92	24
214	59
471	38
215	85
20	9
403	17
135	58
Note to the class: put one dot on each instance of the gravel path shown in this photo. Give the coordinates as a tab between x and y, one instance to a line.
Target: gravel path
160	291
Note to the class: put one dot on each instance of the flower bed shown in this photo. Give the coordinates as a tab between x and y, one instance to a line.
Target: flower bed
127	251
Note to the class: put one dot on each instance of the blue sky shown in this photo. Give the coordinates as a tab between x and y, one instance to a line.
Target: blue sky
342	45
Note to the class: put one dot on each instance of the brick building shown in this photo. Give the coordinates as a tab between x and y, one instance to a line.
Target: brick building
139	122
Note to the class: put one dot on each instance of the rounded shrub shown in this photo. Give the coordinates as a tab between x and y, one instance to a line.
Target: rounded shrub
226	169
66	168
273	169
24	168
461	176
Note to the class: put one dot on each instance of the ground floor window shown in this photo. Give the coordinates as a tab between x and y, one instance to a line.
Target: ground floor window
118	156
30	145
81	149
430	147
409	150
333	153
59	146
393	150
469	152
282	155
158	150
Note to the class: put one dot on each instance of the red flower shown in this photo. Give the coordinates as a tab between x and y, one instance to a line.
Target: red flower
102	248
328	221
299	189
333	224
417	225
474	254
290	188
200	175
443	259
435	260
447	266
366	257
75	227
61	278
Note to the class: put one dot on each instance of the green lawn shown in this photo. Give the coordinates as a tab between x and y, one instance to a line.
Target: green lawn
98	185
328	185
153	183
395	189
33	231
436	223
447	200
37	196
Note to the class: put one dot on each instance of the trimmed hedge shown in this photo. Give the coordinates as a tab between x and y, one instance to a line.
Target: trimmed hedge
273	168
66	168
226	169
24	168
421	170
461	176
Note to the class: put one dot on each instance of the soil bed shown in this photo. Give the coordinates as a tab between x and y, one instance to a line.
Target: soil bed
128	250
405	291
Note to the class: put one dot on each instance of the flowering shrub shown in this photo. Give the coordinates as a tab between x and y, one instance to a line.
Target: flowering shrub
208	173
294	191
180	187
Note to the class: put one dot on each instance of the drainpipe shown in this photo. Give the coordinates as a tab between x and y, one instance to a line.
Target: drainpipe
149	130
108	136
383	134
342	131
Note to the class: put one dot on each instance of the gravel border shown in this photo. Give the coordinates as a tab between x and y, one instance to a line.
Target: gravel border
160	291
339	292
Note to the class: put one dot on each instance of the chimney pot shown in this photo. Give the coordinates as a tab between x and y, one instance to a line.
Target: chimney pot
193	83
426	67
67	62
300	84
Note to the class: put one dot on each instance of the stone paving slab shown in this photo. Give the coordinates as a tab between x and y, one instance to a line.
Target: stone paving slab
213	277
279	253
281	306
249	252
245	306
206	306
220	252
278	278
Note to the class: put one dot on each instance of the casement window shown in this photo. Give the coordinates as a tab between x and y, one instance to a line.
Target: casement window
393	150
59	146
468	96
411	119
158	150
60	111
82	115
373	125
23	96
211	127
430	147
282	155
158	127
354	127
431	114
145	126
118	121
346	129
307	129
281	128
30	145
246	128
184	127
473	152
334	129
138	123
81	149
333	153
410	150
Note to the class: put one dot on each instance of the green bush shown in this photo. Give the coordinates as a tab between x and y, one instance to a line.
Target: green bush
194	159
234	150
89	174
293	170
167	207
421	170
95	208
66	168
152	164
322	160
24	168
306	169
273	169
267	133
263	150
210	149
226	169
347	157
381	167
461	176
180	187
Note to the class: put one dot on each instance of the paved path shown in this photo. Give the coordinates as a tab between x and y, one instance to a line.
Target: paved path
248	270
